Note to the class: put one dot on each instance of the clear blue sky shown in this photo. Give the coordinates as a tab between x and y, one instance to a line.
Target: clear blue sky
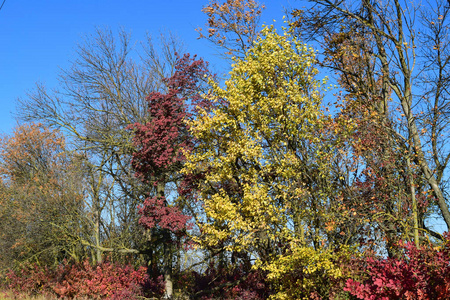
39	37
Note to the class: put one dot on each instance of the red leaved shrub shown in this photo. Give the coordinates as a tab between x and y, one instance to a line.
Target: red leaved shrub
104	281
30	280
421	273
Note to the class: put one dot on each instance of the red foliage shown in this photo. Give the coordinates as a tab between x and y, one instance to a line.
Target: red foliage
30	280
102	281
69	281
155	212
422	273
162	140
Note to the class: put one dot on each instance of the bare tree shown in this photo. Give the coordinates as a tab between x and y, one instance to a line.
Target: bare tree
99	96
406	46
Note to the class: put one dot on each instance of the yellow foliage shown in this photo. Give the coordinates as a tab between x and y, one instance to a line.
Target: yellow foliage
259	147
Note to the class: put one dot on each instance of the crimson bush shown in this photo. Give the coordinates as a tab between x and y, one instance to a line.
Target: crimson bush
104	281
419	274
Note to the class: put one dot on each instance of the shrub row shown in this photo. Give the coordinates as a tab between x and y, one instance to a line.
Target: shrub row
69	281
415	274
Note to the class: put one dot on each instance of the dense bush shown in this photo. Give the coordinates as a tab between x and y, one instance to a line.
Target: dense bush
307	273
104	281
420	273
29	280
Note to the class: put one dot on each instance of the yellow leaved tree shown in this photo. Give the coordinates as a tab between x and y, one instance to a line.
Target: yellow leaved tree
265	165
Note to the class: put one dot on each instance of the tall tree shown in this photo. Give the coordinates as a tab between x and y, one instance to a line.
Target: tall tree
265	165
161	143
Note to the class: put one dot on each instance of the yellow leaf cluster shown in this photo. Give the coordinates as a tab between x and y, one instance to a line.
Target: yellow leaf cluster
257	147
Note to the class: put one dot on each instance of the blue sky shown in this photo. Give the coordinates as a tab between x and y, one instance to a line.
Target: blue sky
37	38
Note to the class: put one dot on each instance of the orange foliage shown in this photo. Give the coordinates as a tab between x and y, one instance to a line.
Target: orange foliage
232	24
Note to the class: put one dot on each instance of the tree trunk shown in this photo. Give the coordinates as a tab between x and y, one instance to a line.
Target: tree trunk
167	269
98	251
